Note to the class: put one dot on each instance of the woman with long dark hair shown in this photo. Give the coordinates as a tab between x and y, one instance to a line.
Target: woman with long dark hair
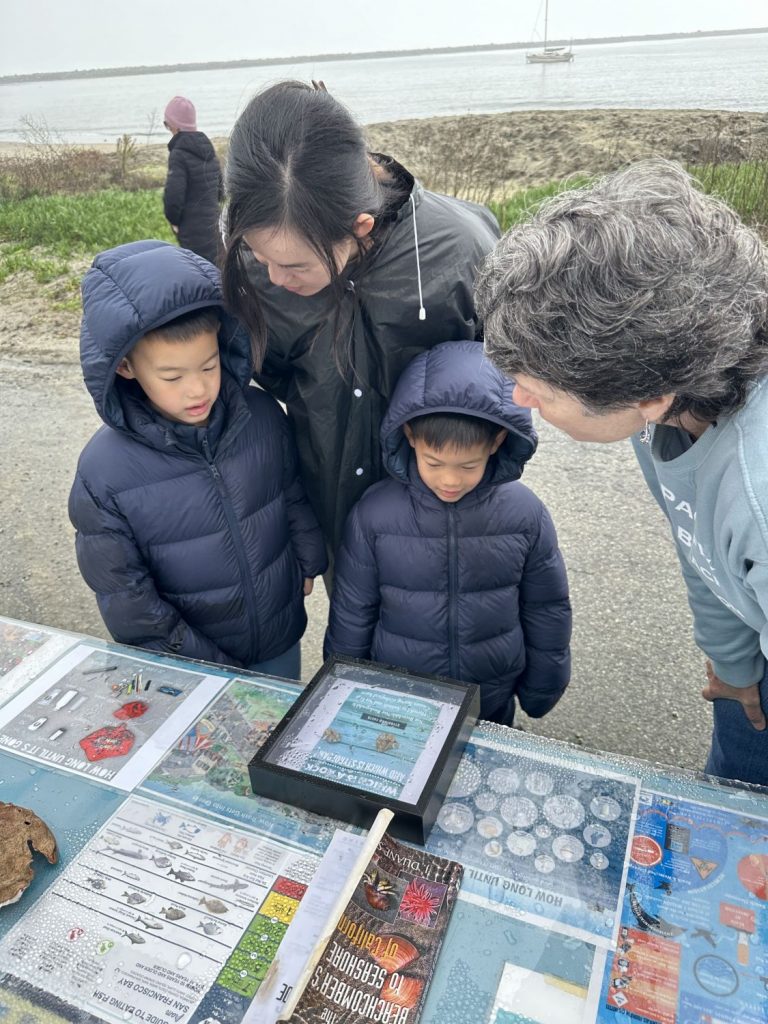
343	268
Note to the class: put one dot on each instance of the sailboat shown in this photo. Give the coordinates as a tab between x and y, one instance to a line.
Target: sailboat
549	54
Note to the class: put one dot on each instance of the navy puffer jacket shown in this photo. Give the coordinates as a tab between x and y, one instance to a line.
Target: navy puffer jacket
196	540
476	589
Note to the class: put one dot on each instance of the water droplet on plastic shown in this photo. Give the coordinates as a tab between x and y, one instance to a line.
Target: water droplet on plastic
184	961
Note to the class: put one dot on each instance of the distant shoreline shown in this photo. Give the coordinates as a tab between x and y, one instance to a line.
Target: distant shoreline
162	69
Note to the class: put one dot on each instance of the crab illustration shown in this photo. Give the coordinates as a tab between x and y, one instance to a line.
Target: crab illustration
21	833
377	890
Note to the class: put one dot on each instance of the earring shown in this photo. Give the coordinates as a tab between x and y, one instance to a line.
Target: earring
645	433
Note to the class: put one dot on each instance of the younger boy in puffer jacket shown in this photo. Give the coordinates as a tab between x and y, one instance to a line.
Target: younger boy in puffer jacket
451	567
192	524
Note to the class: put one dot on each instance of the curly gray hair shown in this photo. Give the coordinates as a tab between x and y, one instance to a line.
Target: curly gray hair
635	287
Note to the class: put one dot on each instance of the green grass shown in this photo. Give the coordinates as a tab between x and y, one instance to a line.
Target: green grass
521	205
47	235
85	223
744	186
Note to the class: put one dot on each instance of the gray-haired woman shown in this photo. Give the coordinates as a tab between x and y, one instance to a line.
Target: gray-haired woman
638	307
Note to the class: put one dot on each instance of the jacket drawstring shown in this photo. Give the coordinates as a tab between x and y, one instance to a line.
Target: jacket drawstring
422	310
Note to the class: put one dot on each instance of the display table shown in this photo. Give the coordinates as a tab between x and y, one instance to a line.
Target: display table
596	888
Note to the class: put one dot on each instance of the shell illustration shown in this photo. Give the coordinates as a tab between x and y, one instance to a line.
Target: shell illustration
396	955
386	741
21	832
406	994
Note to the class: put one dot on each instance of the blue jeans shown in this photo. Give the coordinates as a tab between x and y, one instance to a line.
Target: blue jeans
739	751
286	665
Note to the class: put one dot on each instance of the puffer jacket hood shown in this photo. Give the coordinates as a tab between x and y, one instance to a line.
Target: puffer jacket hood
135	288
457	377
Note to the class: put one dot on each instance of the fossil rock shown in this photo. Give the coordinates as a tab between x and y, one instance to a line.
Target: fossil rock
21	833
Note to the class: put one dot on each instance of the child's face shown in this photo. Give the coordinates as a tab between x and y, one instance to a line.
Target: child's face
181	379
450	473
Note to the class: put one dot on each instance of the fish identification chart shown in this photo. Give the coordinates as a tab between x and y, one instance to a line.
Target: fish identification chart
159	910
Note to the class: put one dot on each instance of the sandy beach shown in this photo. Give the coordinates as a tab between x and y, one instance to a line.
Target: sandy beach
637	675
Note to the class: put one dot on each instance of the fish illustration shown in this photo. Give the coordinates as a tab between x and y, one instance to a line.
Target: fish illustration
706	934
136	940
195	854
648	922
233	886
154	925
174	844
181	876
136	854
172	913
134	898
210	927
161	862
213	906
96	883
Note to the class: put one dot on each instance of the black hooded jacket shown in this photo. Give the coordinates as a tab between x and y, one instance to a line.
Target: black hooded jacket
475	589
196	540
193	190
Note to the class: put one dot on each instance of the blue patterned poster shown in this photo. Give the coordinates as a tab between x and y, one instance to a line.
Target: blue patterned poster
375	741
693	944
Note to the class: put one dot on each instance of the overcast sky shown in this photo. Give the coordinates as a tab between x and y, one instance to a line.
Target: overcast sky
61	35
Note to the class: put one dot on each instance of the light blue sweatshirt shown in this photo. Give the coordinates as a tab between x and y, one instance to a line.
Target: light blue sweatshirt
714	491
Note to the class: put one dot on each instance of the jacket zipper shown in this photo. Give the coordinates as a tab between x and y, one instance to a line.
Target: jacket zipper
234	529
453	593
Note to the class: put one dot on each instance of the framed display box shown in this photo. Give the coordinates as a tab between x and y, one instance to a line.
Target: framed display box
363	736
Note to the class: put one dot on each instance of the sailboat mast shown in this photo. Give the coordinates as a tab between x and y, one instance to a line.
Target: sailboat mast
546	21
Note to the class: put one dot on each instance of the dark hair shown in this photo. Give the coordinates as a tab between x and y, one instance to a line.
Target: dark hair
441	430
188	326
296	160
635	287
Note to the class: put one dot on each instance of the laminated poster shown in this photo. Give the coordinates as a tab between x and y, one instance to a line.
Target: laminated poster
207	768
693	944
162	913
103	715
539	836
24	652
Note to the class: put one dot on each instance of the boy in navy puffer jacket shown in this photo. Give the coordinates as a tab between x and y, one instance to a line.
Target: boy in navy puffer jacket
192	524
452	567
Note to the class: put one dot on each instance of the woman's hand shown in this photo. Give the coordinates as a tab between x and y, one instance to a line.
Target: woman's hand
308	585
747	696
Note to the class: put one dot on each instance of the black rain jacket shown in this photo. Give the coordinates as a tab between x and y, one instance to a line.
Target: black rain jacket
336	418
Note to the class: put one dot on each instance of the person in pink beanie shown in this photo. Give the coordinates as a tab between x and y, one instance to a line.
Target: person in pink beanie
193	188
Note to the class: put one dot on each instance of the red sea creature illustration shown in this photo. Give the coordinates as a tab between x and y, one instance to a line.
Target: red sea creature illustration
377	890
133	709
421	901
110	741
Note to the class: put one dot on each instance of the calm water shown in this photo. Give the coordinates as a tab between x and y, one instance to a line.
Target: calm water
715	73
